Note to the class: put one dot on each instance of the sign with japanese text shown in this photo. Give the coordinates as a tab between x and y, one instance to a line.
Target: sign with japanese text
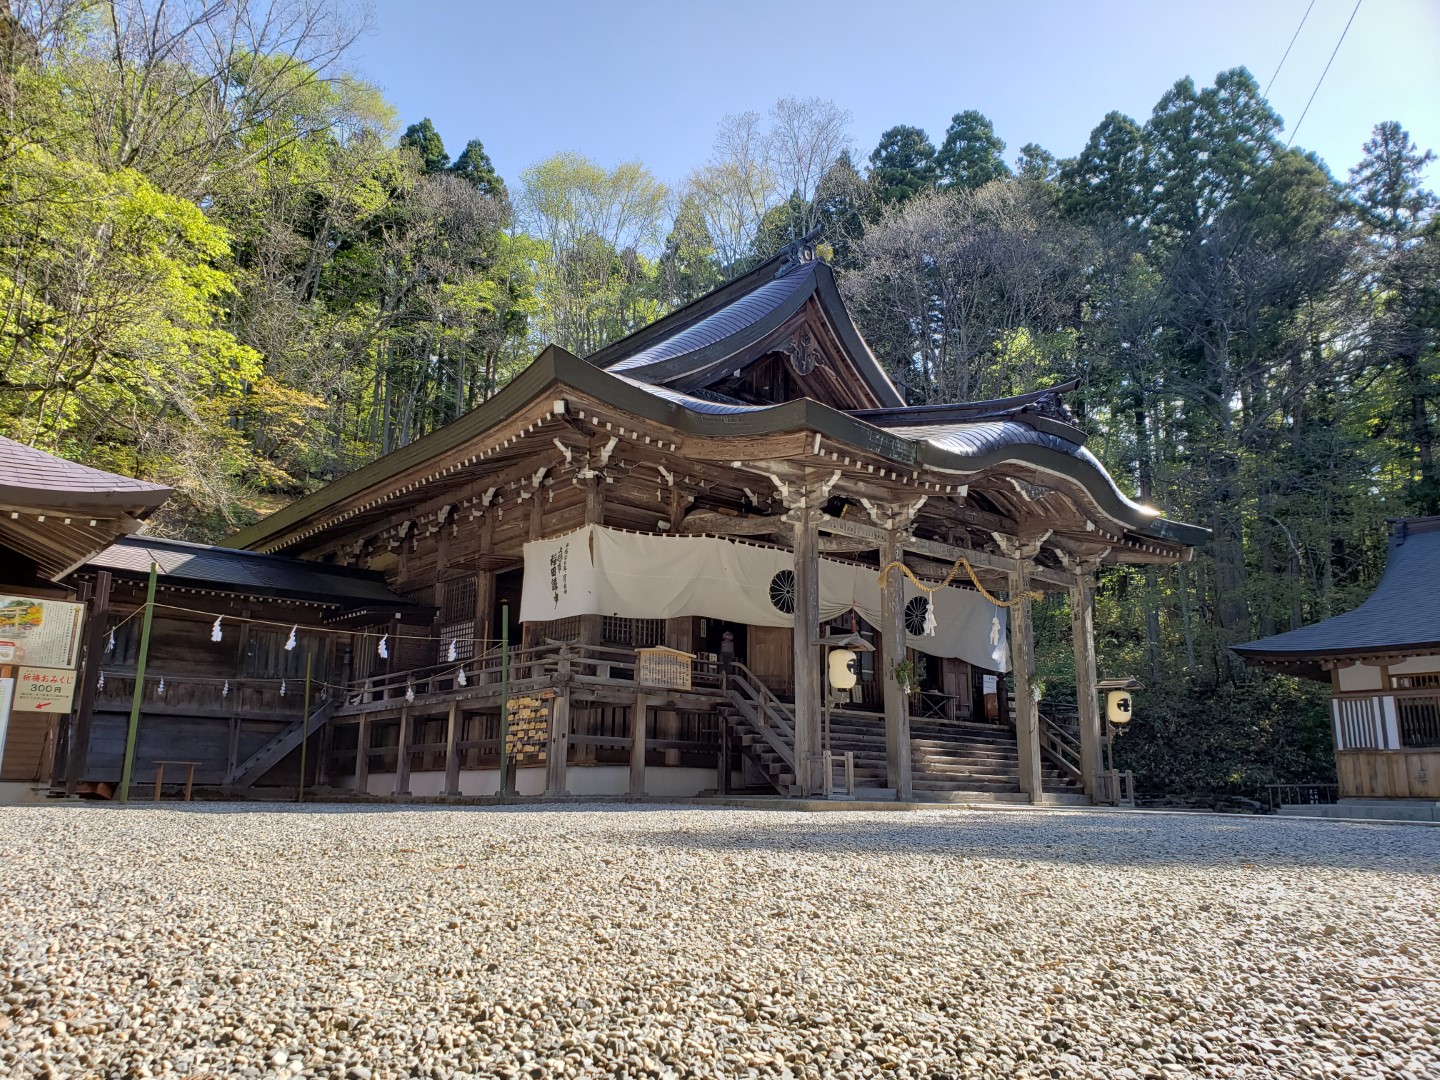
40	633
43	689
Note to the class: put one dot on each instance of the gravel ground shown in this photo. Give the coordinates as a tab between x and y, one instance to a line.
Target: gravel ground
220	941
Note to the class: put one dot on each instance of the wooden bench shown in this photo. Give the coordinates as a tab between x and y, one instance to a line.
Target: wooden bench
189	779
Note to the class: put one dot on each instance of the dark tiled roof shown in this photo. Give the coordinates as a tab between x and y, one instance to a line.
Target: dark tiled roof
726	322
247	572
30	477
1401	615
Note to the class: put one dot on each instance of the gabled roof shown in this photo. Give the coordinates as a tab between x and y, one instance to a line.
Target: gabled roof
33	478
247	573
1402	615
55	513
960	450
696	346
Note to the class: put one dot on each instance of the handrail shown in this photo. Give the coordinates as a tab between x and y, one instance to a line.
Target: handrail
773	706
763	709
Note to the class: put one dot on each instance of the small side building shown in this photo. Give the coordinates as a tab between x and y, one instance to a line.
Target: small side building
1382	661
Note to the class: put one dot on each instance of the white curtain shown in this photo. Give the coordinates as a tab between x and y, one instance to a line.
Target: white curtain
600	571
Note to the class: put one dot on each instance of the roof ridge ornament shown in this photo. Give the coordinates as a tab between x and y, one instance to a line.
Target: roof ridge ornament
798	252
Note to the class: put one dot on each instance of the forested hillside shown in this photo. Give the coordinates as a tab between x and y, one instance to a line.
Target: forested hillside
225	264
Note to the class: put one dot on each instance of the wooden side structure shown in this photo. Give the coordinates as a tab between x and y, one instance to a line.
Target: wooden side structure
756	414
1382	661
54	515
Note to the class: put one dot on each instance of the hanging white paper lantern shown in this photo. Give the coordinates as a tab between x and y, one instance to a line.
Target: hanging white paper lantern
215	630
290	641
385	647
842	669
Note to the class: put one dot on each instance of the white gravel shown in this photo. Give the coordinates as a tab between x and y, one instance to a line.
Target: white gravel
223	941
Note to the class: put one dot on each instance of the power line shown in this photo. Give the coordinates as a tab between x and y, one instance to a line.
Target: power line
1289	47
1296	129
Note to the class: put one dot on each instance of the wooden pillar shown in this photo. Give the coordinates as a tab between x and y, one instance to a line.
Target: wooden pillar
722	767
1022	664
452	757
362	755
78	751
638	714
592	626
402	755
557	752
322	765
1082	636
892	651
806	656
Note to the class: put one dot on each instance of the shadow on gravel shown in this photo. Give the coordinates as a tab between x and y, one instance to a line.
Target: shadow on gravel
1103	840
1079	838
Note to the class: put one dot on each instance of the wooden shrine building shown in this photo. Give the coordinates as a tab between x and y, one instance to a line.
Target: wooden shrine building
54	515
1382	662
675	530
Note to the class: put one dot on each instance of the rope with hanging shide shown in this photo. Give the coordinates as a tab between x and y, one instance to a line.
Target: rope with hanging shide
1014	601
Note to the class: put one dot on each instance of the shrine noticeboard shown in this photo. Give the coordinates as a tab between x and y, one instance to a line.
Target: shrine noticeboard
41	689
40	633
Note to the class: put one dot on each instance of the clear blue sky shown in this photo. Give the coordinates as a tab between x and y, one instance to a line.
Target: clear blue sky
650	80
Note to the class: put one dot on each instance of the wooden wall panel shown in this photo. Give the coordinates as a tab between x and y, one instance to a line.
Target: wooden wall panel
28	746
772	657
1388	774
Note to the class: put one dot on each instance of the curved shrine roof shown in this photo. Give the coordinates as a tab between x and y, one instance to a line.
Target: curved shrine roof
1402	615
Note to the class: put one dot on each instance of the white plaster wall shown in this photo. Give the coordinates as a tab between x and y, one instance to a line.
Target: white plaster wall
1416	665
1359	677
662	780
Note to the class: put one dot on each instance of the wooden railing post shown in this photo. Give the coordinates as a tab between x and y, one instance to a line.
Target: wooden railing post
362	755
402	755
558	751
452	757
638	715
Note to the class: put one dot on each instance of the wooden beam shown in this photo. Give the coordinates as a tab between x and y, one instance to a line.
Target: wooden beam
945	552
638	713
1022	665
892	651
807	658
557	751
1082	637
402	755
362	756
709	521
78	749
452	756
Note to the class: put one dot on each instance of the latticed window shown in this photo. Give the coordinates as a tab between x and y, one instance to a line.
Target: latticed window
636	633
560	629
457	617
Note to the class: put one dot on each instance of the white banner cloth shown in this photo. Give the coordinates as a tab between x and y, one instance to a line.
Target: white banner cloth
600	571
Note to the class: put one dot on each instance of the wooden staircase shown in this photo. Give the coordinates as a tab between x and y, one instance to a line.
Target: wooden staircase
764	725
275	751
948	760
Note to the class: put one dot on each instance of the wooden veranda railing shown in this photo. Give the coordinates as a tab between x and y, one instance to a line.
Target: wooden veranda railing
596	664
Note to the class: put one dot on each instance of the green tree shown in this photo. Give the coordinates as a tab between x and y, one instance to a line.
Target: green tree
903	164
1036	165
475	168
971	155
427	144
689	266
